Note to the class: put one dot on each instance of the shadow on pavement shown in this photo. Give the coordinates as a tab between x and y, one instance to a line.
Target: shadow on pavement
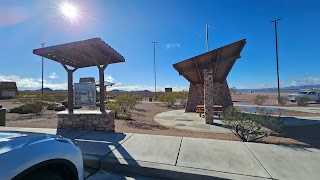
309	134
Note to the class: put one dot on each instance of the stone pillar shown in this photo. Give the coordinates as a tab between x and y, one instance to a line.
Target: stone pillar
221	94
195	97
208	95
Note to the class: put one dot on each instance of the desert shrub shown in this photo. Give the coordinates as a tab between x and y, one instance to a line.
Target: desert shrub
302	101
233	90
123	105
34	107
283	100
250	127
260	99
169	98
51	106
114	106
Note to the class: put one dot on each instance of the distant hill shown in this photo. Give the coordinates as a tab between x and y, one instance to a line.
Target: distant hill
141	91
117	90
45	90
290	88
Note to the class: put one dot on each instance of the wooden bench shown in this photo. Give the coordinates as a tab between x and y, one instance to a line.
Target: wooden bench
216	109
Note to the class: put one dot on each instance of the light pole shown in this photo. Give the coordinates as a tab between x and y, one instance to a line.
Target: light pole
275	29
305	78
207	37
154	61
42	71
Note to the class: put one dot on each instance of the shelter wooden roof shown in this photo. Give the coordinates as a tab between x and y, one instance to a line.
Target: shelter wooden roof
220	60
79	54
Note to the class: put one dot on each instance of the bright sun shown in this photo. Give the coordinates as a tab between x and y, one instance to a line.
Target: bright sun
70	11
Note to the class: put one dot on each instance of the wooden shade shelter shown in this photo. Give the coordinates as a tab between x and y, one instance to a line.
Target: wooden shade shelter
207	75
221	60
81	54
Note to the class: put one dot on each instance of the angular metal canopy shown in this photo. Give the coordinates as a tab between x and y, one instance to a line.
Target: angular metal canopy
220	60
79	54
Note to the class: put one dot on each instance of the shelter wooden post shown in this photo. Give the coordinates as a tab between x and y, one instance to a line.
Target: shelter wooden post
70	88
102	88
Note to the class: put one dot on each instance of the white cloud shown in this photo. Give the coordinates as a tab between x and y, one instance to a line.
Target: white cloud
303	81
109	78
24	83
177	45
53	75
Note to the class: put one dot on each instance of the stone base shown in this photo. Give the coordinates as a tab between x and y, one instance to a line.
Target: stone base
195	97
87	120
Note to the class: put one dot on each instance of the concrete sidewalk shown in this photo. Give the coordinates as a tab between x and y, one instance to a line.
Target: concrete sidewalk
153	156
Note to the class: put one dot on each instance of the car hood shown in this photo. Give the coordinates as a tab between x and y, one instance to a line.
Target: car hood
10	141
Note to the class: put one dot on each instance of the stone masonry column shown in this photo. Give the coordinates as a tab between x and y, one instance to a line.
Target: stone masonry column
208	95
195	97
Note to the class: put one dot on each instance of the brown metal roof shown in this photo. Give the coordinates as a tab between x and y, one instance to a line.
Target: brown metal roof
79	54
220	60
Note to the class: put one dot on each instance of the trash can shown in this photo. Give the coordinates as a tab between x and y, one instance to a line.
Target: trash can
2	117
150	99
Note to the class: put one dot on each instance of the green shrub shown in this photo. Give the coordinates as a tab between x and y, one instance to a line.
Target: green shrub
123	105
250	127
114	106
283	100
35	107
302	101
260	99
169	98
233	90
51	106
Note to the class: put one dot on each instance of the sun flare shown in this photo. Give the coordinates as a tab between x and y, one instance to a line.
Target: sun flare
69	11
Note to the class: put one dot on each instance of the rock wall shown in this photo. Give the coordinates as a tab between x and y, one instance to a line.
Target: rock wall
217	92
87	120
195	97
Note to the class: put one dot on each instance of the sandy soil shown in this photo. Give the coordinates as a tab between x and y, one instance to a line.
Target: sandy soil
143	122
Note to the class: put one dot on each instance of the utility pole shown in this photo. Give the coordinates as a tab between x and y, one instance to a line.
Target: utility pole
155	77
275	29
42	70
207	37
305	78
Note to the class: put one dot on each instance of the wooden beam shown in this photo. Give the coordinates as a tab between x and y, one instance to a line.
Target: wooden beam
188	70
215	66
199	72
63	60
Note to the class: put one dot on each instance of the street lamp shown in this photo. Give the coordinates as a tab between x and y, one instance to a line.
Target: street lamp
154	61
42	71
275	28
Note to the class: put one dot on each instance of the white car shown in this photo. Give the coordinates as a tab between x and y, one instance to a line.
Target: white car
312	95
39	156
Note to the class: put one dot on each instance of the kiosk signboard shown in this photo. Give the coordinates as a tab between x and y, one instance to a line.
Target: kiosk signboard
85	94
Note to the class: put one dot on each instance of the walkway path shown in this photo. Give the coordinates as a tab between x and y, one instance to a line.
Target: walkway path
186	158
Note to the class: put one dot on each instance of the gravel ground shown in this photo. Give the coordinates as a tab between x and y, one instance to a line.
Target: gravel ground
143	122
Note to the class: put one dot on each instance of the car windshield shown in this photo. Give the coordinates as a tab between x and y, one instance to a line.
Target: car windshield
302	92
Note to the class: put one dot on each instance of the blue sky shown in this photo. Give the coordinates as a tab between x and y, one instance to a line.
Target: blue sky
129	26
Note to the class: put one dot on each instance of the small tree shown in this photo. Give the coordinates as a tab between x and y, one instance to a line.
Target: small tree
303	101
250	127
260	99
169	98
283	100
126	103
233	90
